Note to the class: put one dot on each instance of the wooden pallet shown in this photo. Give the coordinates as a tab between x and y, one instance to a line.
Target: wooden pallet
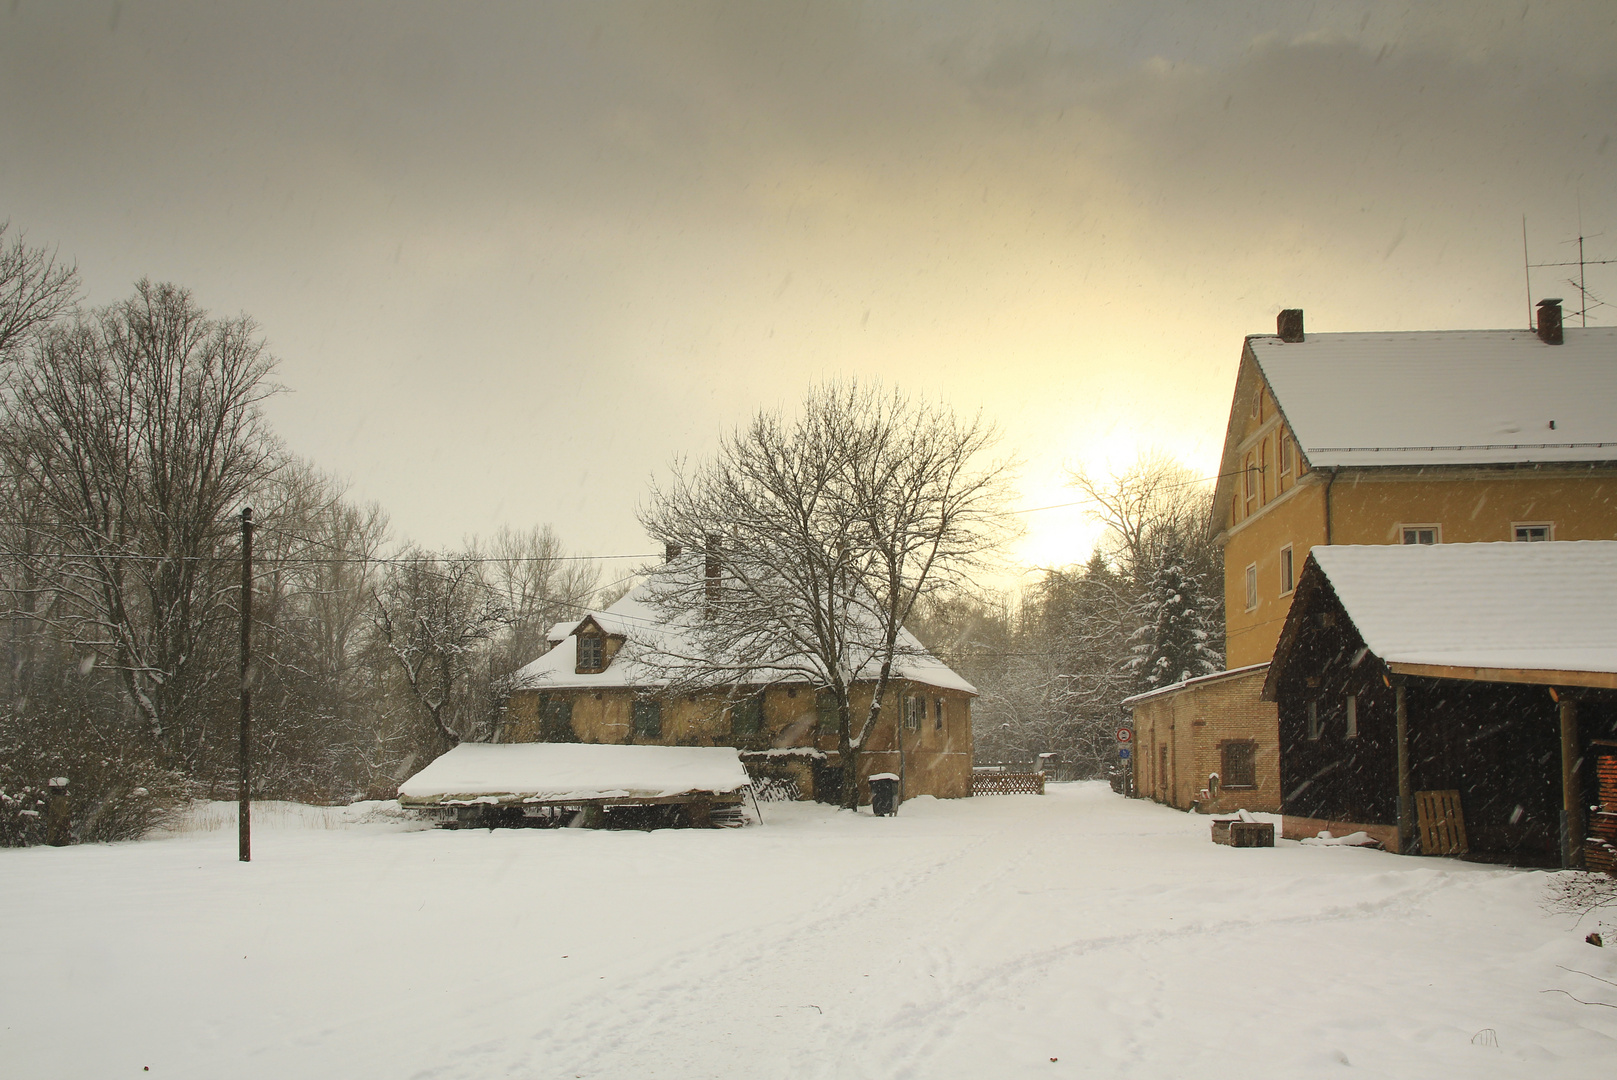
1442	823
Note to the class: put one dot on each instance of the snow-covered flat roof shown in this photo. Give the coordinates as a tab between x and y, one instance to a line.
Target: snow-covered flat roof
1534	606
1446	397
553	772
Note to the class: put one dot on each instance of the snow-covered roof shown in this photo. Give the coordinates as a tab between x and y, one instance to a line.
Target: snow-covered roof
648	632
555	772
1534	606
559	632
1446	397
1197	681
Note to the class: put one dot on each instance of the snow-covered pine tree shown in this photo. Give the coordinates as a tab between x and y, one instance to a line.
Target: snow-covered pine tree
1179	633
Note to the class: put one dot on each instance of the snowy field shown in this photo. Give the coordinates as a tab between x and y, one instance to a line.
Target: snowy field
1077	934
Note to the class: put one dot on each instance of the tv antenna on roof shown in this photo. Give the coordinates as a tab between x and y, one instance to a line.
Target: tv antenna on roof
1588	301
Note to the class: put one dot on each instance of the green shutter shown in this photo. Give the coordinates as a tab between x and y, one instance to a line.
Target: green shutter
825	701
556	720
648	720
747	716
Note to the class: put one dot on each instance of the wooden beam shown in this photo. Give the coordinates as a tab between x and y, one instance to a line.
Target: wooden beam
1536	677
1406	796
1571	788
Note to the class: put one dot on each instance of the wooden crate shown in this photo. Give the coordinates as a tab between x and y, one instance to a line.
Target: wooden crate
1238	833
1442	823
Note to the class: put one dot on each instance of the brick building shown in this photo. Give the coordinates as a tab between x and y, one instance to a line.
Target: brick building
1208	744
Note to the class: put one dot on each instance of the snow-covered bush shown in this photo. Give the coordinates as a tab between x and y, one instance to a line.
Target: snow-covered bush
117	793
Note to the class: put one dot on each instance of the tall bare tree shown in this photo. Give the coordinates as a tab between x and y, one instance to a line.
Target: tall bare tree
538	584
433	614
815	536
138	429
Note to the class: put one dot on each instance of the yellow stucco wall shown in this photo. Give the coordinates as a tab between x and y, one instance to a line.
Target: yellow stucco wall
1373	506
937	760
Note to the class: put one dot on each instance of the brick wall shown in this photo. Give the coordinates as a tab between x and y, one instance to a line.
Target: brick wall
1180	738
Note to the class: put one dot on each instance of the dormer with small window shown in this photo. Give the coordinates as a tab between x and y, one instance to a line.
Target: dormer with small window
595	647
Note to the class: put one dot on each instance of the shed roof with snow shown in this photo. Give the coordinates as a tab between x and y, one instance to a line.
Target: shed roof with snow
562	772
1518	612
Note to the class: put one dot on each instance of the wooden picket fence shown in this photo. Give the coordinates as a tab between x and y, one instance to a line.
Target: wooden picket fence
1007	783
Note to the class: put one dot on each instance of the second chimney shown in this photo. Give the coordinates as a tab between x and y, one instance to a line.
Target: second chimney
1290	324
1549	321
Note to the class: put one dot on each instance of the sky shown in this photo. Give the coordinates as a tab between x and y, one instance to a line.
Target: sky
517	258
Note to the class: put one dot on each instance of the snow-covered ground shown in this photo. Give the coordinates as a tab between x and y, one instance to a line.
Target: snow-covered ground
1074	934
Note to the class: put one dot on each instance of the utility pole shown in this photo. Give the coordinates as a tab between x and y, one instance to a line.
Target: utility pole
244	812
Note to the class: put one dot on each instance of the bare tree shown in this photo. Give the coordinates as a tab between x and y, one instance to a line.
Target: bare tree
433	614
815	537
1143	507
139	431
35	291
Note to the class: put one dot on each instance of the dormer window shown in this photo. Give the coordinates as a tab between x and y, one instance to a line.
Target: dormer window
591	653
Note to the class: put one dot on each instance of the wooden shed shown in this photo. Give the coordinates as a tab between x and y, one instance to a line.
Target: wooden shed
1451	698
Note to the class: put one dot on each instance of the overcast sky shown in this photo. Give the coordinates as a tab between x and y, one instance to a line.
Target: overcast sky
515	257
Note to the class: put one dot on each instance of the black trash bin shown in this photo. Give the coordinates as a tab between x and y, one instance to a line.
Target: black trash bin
884	794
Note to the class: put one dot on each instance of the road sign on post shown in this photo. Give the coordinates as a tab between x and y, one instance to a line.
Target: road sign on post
1125	734
1123	753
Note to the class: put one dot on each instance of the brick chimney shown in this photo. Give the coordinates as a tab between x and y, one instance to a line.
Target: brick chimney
1549	321
1290	324
670	551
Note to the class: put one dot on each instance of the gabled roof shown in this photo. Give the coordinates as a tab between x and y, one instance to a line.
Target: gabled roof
646	630
1502	607
1434	397
1446	397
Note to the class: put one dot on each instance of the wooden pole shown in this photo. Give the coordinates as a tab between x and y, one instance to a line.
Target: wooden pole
1406	796
244	810
1572	823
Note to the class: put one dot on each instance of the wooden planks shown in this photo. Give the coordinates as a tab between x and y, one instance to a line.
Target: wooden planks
1442	824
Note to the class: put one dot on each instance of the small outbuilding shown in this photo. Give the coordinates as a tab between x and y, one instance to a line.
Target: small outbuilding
1451	698
510	783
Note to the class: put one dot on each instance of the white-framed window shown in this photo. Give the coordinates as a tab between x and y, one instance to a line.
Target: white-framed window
1288	575
1353	716
1251	477
1313	721
1421	534
590	653
937	714
1285	456
1252	586
1528	531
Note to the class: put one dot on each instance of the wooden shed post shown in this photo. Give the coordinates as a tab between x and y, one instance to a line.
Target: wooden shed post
1406	796
1572	824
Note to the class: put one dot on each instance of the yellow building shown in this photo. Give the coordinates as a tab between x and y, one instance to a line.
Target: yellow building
595	686
1422	437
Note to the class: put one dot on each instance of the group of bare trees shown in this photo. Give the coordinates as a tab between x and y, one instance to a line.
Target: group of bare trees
1145	611
131	437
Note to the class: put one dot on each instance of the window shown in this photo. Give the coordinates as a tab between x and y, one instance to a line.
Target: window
1288	580
1239	765
1251	478
937	715
914	712
589	652
1252	586
1313	720
1422	534
1353	716
1285	456
648	720
1528	531
747	716
825	703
